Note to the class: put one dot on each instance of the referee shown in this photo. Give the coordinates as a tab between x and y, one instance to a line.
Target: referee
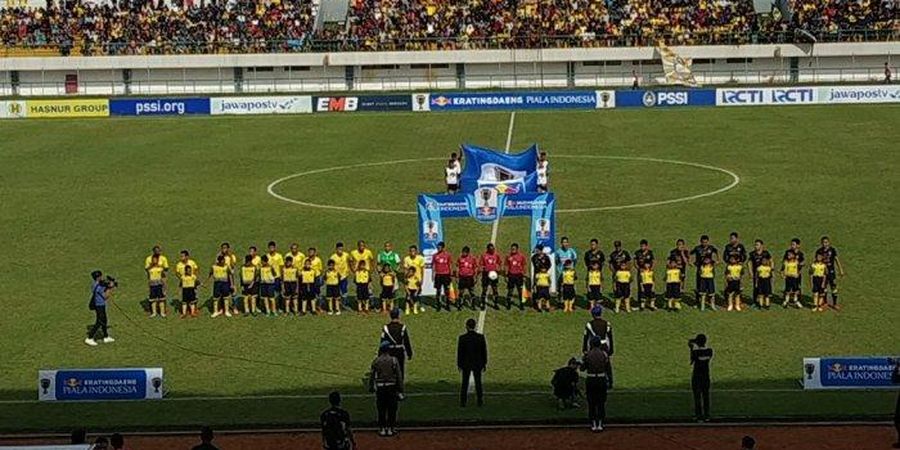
101	290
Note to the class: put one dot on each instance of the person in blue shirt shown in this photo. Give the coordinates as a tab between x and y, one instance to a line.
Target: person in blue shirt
101	290
563	254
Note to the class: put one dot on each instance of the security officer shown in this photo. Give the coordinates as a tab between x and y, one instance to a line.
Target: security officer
597	381
600	328
700	382
386	379
397	337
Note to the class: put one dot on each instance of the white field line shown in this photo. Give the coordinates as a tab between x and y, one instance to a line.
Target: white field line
547	393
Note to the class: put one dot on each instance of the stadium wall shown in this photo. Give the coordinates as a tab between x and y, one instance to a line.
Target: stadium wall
431	70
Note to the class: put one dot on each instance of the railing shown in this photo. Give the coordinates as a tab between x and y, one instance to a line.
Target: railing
529	80
315	44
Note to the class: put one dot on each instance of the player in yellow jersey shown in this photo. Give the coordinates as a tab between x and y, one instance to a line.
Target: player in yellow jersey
333	289
189	285
413	289
308	288
290	275
388	281
162	261
342	266
542	281
819	270
764	283
734	272
790	270
646	296
315	262
414	260
185	261
707	283
267	279
250	285
362	254
595	284
222	282
361	279
568	278
254	256
298	256
156	278
623	287
674	282
276	260
231	260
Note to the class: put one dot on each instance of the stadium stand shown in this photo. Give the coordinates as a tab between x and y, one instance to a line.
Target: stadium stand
81	28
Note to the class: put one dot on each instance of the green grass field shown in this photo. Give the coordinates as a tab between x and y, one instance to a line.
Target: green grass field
79	195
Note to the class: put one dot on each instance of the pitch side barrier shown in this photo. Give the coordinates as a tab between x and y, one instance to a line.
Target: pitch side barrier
450	101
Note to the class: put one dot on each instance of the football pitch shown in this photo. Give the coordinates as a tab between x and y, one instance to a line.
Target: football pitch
76	195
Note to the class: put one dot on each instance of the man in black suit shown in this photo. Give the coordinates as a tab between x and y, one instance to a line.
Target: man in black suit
471	358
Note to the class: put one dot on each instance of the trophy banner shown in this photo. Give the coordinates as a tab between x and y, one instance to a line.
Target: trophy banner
100	384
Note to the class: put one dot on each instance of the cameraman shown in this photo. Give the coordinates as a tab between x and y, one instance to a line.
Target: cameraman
101	291
700	383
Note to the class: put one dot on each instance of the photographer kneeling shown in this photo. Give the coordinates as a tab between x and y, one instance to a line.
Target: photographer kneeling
101	291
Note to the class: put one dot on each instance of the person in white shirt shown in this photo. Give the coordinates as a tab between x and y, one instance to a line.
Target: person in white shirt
452	177
543	170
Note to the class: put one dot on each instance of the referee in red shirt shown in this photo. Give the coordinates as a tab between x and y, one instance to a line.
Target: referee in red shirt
515	276
442	265
490	262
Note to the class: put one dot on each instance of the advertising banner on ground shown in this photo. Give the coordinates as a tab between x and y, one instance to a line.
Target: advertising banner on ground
665	98
85	107
363	103
852	372
859	94
261	105
158	106
766	96
458	101
100	384
13	109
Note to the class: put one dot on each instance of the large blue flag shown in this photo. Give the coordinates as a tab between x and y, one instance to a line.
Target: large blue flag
507	173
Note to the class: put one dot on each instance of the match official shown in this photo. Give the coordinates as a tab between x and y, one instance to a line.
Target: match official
471	359
386	380
597	381
700	380
600	328
101	292
397	338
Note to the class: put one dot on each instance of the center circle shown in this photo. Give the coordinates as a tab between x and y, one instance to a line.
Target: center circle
735	180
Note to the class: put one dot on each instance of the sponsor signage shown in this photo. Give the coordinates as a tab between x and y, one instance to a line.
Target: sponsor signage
364	103
261	105
874	372
158	106
859	94
88	107
606	99
100	384
13	109
766	96
456	101
665	98
421	102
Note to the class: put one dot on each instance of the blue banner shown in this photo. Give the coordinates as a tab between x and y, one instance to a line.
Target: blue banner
363	103
849	372
100	384
159	106
455	101
507	173
666	98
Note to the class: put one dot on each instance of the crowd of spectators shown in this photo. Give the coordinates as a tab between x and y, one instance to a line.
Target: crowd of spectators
218	26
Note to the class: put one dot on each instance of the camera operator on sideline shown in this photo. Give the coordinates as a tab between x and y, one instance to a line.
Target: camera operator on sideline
101	291
700	382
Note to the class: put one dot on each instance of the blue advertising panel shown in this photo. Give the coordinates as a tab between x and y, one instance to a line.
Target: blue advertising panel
456	101
666	98
159	106
873	372
363	103
100	384
507	173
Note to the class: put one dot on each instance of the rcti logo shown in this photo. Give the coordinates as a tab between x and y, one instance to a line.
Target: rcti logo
440	101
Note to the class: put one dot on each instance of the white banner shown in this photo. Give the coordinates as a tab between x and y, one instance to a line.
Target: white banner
606	99
13	109
261	105
766	96
100	384
421	102
860	94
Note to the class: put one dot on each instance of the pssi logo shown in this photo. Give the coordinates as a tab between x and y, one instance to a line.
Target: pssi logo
675	98
336	104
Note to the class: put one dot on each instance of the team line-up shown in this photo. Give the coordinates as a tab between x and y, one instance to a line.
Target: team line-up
292	283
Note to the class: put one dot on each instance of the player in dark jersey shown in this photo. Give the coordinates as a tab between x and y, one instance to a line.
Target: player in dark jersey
701	253
682	257
642	256
594	254
794	249
618	257
734	249
756	258
833	269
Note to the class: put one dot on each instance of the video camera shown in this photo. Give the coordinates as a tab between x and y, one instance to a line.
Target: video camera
110	282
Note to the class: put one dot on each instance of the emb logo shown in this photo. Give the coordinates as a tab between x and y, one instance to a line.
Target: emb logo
336	104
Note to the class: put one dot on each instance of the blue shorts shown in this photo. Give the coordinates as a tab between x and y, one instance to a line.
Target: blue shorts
343	286
267	290
221	289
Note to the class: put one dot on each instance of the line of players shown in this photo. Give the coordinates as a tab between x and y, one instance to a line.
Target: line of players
297	278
